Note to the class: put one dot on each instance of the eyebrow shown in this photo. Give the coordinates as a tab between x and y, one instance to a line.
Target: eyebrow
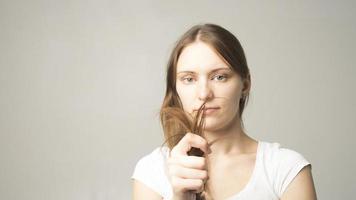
214	70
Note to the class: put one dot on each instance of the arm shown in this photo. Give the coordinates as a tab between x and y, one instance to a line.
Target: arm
141	191
302	187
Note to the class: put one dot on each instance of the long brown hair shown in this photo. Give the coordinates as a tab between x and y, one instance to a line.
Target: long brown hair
174	120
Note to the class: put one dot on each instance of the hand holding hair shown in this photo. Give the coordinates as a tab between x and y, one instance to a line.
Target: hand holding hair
188	173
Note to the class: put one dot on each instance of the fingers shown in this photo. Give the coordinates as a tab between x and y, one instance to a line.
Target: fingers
188	173
182	185
188	141
194	162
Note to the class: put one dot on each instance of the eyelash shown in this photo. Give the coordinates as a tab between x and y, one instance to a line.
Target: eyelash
219	75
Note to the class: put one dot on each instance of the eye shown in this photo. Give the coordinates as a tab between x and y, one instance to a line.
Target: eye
220	77
187	79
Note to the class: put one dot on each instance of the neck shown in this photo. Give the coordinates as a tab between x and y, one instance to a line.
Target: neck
228	141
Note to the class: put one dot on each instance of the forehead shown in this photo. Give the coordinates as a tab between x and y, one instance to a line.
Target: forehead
201	57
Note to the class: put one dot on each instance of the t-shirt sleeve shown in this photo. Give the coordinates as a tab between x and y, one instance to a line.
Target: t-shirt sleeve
288	164
150	170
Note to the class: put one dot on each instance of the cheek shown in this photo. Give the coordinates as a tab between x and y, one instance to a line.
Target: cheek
232	103
230	92
186	96
231	97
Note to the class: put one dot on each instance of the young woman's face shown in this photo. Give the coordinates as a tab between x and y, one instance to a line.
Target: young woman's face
203	76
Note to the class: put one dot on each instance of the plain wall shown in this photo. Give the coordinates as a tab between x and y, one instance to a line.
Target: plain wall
81	84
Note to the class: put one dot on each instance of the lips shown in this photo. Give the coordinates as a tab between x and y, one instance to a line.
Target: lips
209	110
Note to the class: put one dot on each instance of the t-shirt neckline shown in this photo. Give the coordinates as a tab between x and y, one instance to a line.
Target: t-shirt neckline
253	175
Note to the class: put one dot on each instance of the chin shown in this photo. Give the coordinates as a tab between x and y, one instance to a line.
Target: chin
212	124
219	123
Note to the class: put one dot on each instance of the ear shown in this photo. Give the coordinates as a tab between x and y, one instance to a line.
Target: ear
246	85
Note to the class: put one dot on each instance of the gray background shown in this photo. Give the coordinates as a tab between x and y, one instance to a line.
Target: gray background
81	84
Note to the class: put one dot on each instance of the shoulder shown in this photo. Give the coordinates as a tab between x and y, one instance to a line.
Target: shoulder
155	160
158	155
282	165
151	171
279	155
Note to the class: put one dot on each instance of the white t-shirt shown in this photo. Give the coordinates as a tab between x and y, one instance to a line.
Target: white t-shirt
275	168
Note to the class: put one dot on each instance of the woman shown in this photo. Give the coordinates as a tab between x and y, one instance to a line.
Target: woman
208	70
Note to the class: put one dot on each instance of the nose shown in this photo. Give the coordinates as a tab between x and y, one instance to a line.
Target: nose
205	92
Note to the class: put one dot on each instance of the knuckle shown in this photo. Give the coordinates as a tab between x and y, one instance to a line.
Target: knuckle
201	162
204	174
202	140
205	143
200	189
200	183
189	136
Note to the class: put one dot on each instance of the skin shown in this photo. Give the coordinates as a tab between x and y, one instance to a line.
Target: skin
202	75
